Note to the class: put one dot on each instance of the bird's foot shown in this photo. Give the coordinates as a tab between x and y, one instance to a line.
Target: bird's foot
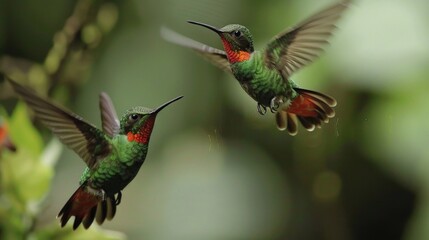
275	103
103	195
118	198
261	109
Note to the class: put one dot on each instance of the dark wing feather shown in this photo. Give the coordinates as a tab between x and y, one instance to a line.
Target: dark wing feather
86	140
295	48
213	55
109	118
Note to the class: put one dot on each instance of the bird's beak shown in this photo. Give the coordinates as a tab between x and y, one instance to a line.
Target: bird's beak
158	109
216	30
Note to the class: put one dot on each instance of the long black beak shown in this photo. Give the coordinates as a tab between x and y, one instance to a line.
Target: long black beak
156	110
216	30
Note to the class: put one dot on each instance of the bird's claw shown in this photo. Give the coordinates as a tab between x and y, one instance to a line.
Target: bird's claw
103	195
262	109
118	198
275	104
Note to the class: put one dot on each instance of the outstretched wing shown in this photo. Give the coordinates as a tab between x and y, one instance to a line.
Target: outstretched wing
214	55
297	47
87	141
109	118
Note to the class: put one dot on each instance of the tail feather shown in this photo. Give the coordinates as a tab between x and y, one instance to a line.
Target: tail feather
87	221
77	222
310	108
292	125
101	212
308	123
287	121
281	120
105	210
323	105
111	208
85	207
317	95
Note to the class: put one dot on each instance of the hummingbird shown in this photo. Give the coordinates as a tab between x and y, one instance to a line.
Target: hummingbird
113	155
266	75
5	141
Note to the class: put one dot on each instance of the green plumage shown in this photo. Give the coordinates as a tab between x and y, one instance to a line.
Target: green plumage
265	75
113	155
119	168
261	82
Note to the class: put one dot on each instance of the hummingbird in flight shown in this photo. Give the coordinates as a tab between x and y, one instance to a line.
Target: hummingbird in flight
113	155
266	75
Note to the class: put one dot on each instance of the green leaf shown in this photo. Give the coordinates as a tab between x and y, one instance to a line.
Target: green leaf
54	231
26	175
22	131
25	179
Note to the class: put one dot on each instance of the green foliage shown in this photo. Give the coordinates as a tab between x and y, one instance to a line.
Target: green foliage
53	232
23	131
25	179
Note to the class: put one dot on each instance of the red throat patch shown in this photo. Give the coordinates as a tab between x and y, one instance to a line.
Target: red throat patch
234	56
143	135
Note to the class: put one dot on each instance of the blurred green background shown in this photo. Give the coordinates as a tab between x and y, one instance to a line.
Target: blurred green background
216	169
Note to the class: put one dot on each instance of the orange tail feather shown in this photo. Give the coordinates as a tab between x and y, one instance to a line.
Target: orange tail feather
310	108
85	207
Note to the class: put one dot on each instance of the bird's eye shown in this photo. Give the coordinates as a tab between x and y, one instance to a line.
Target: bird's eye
133	117
237	33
